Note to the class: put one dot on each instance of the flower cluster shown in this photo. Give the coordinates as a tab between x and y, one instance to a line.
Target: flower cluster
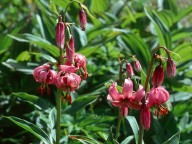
71	68
141	99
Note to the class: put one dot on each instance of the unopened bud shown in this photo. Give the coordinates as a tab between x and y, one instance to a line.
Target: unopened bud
171	68
137	66
60	33
158	76
129	70
70	51
82	19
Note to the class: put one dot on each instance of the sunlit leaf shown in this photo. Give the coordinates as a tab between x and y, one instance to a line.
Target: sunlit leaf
134	126
30	127
174	139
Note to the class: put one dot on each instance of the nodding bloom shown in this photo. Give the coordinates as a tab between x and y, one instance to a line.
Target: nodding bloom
129	70
82	19
171	68
137	66
67	81
158	96
80	62
145	116
43	74
126	99
158	76
60	33
70	51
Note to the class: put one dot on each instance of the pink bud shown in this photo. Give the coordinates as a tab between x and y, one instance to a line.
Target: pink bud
158	76
82	19
129	70
70	51
137	66
60	33
145	116
171	68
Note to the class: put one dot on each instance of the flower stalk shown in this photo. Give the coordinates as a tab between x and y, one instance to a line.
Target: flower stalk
141	129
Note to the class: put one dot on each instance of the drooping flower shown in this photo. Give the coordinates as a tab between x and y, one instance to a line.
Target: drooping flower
43	74
70	51
145	116
129	70
60	33
158	96
80	63
82	19
137	66
158	76
171	68
67	81
126	99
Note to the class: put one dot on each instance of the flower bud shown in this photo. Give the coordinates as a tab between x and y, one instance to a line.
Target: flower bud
70	51
60	33
171	68
129	70
82	19
137	66
145	117
158	76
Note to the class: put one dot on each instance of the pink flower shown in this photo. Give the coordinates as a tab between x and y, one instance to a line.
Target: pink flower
80	62
43	74
70	51
67	81
137	66
129	70
82	19
67	69
158	96
60	33
171	68
158	76
127	98
145	116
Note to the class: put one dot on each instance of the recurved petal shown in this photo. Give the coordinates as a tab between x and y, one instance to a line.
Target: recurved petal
139	94
116	96
127	88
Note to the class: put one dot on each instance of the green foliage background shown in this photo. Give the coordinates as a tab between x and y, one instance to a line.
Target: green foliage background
27	39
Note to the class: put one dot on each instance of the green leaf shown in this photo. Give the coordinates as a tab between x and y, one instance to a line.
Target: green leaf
38	41
127	140
23	56
38	102
30	127
135	128
184	121
53	8
45	56
174	139
84	139
163	33
79	103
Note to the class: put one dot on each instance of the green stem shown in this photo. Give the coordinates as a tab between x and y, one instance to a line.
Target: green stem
58	121
69	6
118	125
